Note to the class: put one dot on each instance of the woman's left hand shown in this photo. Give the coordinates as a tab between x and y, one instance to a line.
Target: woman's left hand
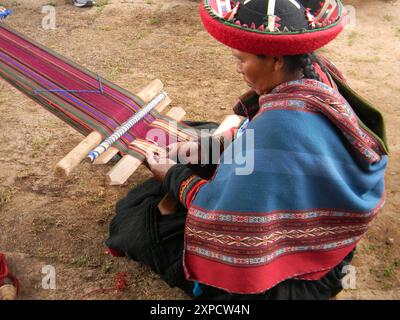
159	165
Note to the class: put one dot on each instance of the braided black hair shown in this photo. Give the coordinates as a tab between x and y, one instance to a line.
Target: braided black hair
305	63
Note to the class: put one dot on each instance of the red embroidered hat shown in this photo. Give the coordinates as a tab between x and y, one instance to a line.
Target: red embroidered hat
274	27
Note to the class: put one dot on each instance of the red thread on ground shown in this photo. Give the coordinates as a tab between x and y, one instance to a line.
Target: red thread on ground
120	279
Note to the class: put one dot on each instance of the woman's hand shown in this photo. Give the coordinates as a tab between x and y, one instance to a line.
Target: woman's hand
186	152
159	165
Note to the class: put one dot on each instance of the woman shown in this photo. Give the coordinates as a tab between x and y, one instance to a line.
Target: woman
285	228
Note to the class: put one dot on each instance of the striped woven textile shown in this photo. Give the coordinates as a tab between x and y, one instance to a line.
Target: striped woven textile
78	96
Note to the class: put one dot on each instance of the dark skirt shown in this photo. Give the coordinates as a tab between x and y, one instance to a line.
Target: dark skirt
141	233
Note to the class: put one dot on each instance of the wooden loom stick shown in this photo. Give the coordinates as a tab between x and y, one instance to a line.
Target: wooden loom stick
76	155
8	292
167	204
128	164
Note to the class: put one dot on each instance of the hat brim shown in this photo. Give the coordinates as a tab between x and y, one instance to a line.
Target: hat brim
270	43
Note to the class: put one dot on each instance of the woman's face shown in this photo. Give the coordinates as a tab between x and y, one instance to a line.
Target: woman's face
261	74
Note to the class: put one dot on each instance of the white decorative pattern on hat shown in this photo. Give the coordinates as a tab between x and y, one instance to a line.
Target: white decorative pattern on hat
224	6
325	8
331	10
271	15
294	2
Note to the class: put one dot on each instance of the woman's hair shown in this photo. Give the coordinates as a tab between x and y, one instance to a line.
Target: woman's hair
302	62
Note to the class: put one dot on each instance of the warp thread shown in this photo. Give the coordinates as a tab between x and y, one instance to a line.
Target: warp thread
99	90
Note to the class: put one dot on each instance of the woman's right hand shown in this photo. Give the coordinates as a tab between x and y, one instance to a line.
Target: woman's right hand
185	152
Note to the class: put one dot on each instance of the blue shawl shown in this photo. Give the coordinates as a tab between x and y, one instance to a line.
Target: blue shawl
292	195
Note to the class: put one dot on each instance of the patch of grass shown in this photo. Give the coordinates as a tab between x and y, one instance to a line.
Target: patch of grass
6	195
50	255
388	286
108	267
387	274
117	69
52	3
390	270
99	11
39	144
46	220
352	38
105	28
149	2
154	21
43	223
110	207
14	3
398	32
381	249
101	3
97	199
388	17
138	35
84	261
188	39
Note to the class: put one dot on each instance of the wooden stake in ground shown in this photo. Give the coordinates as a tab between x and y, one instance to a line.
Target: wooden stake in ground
8	292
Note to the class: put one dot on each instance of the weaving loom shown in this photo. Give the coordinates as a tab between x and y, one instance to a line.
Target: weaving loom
93	106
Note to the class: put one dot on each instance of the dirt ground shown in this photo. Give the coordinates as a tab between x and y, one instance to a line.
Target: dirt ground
64	223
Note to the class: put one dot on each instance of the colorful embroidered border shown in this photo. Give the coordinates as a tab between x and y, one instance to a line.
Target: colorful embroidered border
266	236
187	187
238	241
313	99
268	258
262	218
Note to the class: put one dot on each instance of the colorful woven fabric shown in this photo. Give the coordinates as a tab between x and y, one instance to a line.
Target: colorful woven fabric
316	184
77	96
